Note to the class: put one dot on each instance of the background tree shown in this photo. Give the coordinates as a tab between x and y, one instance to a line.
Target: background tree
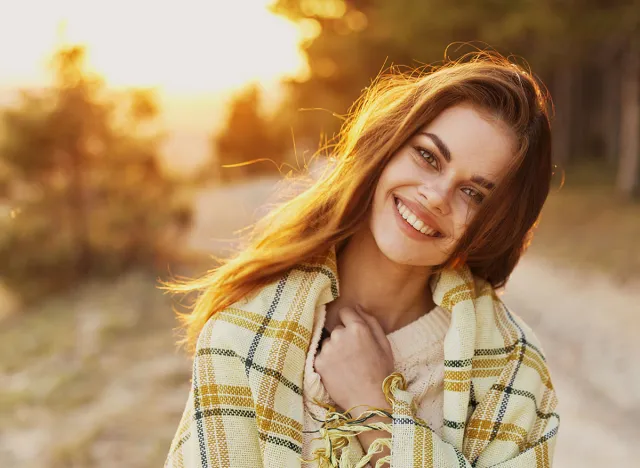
86	182
582	49
250	135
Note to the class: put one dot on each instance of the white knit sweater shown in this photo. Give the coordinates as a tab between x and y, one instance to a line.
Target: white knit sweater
418	352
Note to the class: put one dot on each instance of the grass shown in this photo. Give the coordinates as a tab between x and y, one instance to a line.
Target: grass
587	225
33	336
91	370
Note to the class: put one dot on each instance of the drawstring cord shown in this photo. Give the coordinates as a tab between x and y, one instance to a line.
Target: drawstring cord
339	430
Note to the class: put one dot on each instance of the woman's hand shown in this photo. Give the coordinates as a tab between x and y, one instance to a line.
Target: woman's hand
354	361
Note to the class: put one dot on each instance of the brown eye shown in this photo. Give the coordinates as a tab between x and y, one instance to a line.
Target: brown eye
476	196
428	156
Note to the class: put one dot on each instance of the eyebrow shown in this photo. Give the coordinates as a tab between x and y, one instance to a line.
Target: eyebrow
440	144
483	182
447	155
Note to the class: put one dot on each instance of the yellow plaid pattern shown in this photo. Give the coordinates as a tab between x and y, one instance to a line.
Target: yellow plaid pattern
245	407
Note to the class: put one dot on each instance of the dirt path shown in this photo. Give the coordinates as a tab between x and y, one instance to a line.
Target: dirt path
590	331
589	327
94	379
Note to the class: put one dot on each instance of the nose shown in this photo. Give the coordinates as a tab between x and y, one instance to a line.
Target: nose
436	198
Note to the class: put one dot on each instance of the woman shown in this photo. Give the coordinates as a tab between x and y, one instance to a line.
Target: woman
361	325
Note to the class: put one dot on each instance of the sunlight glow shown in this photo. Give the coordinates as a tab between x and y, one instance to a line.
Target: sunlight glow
185	47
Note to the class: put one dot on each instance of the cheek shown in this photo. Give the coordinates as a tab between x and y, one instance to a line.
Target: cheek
399	170
462	217
391	178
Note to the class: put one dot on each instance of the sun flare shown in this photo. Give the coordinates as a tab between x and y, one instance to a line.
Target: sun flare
186	47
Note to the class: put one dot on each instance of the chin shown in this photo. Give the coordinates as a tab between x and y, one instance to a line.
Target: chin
400	247
402	252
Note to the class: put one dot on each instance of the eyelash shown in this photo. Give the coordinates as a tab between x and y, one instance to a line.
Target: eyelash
421	151
476	196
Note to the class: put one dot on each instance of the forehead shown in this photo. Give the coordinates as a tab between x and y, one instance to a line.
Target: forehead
477	141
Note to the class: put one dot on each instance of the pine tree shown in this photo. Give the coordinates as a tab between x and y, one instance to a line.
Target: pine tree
249	136
86	181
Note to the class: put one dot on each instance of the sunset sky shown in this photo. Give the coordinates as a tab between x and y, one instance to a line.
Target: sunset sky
194	53
182	47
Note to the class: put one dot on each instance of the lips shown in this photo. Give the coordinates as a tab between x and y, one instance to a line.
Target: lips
422	214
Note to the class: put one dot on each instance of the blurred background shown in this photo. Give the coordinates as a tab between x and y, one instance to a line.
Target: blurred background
116	119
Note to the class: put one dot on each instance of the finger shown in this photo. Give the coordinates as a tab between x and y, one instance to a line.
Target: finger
348	316
375	326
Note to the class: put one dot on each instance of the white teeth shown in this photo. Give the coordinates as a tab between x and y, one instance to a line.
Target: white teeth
428	231
413	220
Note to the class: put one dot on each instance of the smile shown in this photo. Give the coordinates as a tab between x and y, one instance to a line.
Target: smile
411	219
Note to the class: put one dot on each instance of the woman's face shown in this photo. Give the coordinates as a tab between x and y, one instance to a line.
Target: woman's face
438	181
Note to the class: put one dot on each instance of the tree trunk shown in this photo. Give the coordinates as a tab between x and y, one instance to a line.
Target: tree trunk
562	134
77	203
581	139
611	110
629	166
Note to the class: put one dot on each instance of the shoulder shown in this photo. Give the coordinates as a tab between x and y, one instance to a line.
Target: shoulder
499	329
225	330
505	340
517	328
231	331
221	352
509	357
525	363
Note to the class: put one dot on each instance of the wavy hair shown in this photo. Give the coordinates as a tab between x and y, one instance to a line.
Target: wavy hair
335	206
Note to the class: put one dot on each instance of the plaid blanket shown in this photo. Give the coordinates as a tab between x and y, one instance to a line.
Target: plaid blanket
245	407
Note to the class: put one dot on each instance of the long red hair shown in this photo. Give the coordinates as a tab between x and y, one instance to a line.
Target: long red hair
389	112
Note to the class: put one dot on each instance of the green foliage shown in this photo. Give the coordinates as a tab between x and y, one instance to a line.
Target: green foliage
250	136
371	35
81	183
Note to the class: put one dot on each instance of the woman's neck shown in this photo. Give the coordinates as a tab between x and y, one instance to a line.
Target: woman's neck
395	294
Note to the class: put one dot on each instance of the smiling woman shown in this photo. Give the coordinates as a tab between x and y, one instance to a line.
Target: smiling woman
438	181
180	47
392	259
